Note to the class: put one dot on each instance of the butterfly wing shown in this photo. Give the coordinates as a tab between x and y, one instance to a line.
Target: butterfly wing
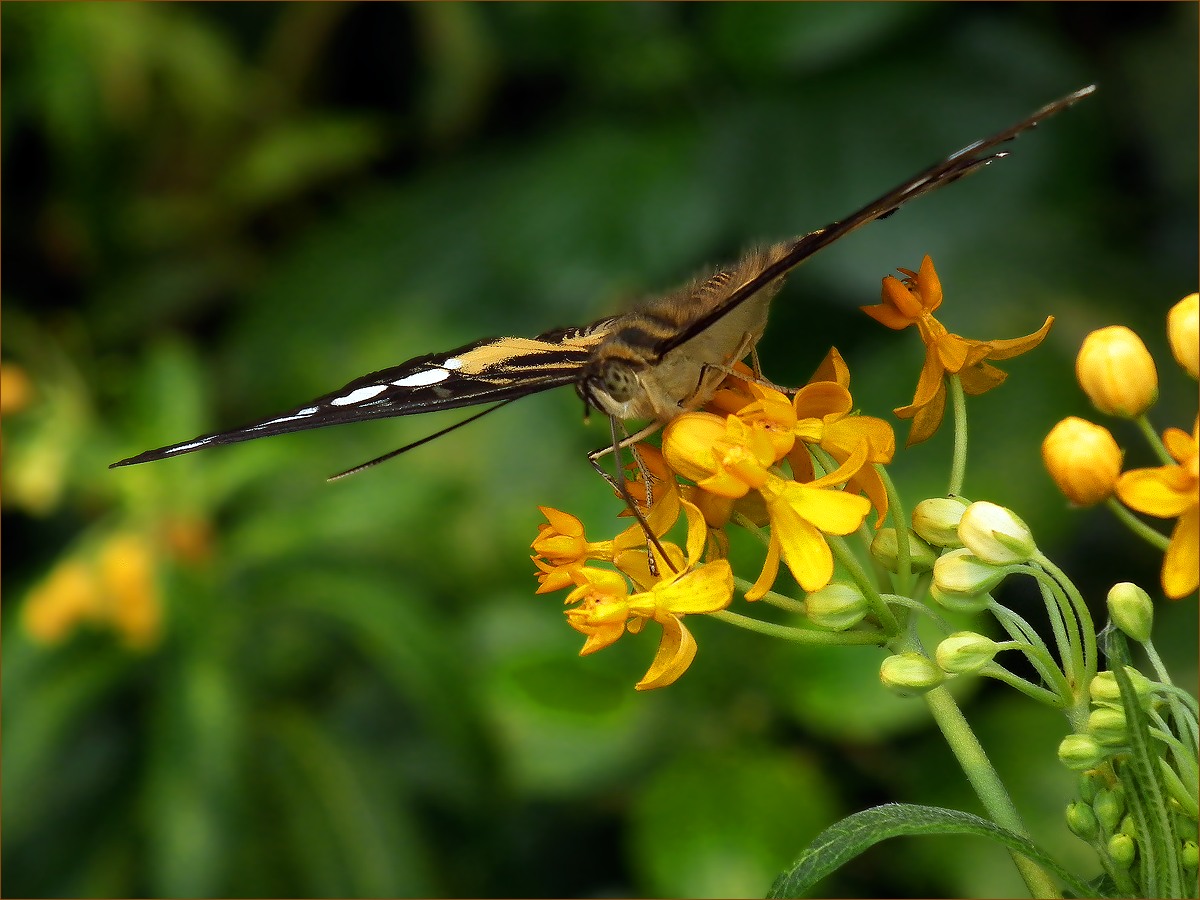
970	158
494	369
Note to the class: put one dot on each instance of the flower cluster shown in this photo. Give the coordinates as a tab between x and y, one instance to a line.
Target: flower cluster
802	466
1118	374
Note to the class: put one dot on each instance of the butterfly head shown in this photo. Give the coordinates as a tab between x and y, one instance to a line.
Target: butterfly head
611	382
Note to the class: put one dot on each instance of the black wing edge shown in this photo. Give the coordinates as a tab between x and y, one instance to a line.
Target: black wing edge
970	158
391	402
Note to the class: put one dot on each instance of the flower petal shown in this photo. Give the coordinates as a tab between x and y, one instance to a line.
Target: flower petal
1007	349
832	511
1181	564
1165	491
769	573
676	651
802	546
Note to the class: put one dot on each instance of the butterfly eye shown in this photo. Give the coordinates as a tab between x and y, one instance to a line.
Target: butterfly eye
619	381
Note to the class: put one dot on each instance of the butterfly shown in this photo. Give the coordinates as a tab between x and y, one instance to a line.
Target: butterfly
651	363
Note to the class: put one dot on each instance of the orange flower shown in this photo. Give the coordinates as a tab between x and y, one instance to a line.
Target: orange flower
1172	492
561	547
912	301
602	608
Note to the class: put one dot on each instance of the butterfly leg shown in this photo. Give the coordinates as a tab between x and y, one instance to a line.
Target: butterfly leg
618	484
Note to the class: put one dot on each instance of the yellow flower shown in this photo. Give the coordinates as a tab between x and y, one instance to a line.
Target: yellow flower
561	546
602	608
731	458
1083	459
1172	492
912	302
1183	330
1116	371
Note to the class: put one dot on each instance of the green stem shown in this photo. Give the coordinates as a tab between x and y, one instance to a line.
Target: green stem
1153	440
1150	535
987	784
958	466
899	516
1091	657
780	601
1028	688
850	562
800	635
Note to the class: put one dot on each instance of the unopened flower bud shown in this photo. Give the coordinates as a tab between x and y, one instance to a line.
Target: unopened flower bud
995	534
1079	752
1109	807
1183	331
1082	821
965	652
1108	727
1117	373
1189	855
885	550
1122	849
1090	784
1104	688
1083	459
954	603
1128	826
963	574
1131	610
907	674
836	607
936	520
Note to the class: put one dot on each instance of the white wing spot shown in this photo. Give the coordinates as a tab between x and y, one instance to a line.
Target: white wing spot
184	448
427	377
359	395
302	414
453	363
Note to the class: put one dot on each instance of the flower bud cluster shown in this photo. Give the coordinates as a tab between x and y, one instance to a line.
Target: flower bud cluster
987	541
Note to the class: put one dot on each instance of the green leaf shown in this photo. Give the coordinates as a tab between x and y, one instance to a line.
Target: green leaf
1158	845
839	844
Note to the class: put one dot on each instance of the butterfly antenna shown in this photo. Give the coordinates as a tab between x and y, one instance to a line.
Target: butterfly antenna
425	440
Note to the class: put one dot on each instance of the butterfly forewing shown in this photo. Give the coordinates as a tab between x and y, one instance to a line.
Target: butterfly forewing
485	371
651	363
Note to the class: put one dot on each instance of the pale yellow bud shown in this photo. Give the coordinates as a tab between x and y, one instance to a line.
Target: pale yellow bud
965	652
886	551
1117	373
960	573
1083	459
995	534
1183	331
936	520
910	673
836	607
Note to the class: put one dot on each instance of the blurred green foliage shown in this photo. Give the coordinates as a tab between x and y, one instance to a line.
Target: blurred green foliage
256	683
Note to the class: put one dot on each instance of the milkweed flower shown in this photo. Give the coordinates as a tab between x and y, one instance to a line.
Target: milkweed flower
1172	492
731	458
561	545
603	609
1183	331
1117	373
912	301
1083	459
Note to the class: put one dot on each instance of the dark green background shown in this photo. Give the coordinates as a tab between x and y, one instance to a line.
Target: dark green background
215	212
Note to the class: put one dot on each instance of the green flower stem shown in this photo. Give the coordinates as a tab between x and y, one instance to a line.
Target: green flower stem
1091	657
1154	440
918	607
1056	607
1039	656
1151	536
900	520
740	520
987	784
781	601
1160	670
850	562
801	635
958	466
1177	790
1028	688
